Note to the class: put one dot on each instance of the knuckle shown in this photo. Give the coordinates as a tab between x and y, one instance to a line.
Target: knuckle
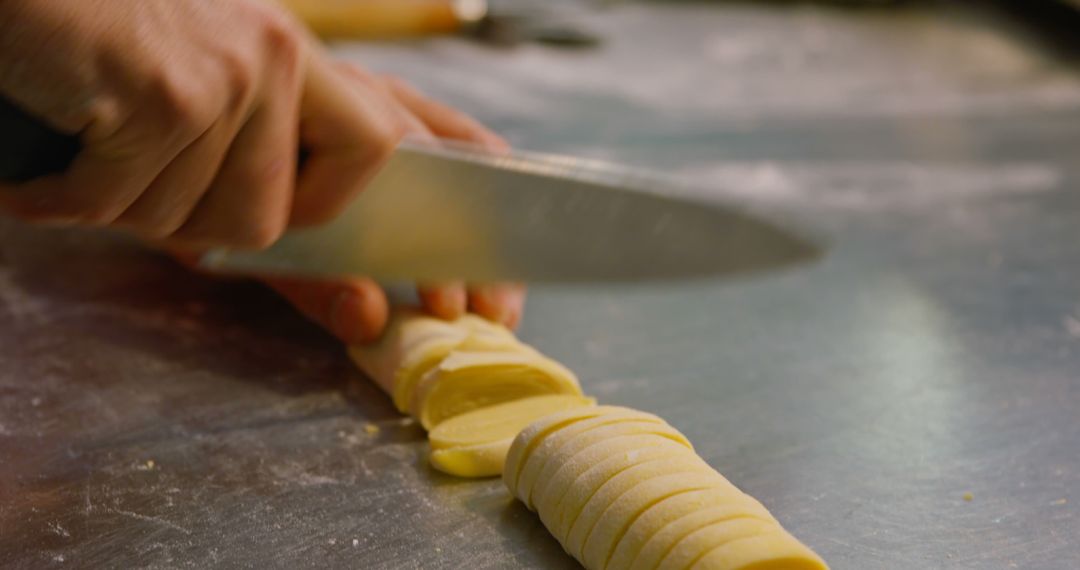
282	37
181	102
241	78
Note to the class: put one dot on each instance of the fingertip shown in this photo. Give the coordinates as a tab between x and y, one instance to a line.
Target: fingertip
445	300
359	314
514	298
502	303
494	143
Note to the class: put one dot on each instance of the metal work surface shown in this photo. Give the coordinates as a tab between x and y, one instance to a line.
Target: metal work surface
150	417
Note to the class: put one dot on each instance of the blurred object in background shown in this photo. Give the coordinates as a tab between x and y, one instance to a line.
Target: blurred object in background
394	19
377	19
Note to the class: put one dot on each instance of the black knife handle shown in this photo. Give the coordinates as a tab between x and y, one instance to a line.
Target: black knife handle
29	148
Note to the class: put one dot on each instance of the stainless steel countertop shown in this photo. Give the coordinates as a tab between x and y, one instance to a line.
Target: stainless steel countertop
154	418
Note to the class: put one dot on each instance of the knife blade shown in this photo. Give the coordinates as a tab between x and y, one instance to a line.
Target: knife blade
437	212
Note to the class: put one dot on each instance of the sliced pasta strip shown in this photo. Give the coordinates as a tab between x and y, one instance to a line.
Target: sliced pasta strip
555	448
592	468
770	551
474	444
675	507
695	545
526	441
466	381
620	489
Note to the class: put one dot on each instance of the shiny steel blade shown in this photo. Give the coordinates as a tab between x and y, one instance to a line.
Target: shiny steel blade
435	213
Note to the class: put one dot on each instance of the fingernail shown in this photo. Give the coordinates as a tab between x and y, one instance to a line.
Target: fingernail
514	301
445	299
498	304
456	301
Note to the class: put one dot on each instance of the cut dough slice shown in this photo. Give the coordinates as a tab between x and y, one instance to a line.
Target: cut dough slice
706	537
416	364
616	499
625	510
486	336
483	460
602	458
675	507
414	343
695	473
465	381
410	339
599	433
550	451
592	467
474	444
531	436
501	421
477	324
770	551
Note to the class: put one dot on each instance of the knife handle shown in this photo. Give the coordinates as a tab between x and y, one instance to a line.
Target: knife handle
368	19
29	148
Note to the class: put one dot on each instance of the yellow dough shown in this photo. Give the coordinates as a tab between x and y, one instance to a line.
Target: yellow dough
621	489
534	433
483	460
413	343
539	476
692	473
411	340
695	545
625	510
483	361
550	452
474	444
545	465
675	507
501	421
670	537
771	551
465	381
592	467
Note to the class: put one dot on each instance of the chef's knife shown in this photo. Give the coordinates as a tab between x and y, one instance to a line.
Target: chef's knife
438	212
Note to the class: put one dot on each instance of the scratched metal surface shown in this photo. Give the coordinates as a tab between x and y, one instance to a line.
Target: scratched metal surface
154	418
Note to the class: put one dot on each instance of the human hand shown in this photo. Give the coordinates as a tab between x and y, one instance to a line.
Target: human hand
356	310
190	114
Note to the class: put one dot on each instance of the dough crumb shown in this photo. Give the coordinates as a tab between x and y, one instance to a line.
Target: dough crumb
969	497
371	428
1060	502
356	542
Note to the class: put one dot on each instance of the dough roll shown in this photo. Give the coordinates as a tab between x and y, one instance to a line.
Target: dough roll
472	373
435	370
622	489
